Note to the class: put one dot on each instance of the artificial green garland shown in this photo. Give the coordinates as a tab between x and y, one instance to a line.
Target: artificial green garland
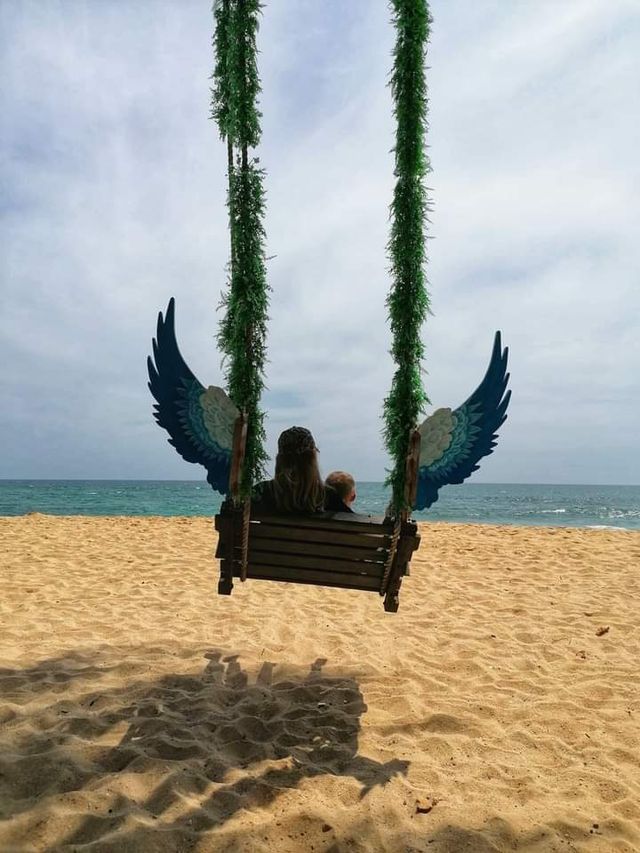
242	334
408	300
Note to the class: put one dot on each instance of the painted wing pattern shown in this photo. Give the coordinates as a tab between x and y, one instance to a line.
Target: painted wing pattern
199	421
453	442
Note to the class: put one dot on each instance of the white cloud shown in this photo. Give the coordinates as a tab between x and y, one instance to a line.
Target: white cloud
115	201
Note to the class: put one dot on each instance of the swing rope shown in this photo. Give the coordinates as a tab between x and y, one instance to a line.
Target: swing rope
408	300
243	330
242	335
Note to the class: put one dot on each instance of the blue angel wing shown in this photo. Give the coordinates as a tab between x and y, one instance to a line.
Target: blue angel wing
453	442
200	421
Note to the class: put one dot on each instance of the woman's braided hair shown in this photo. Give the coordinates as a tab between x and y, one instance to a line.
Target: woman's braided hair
298	486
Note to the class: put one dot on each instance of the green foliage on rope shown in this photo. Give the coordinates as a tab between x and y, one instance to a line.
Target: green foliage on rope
408	300
242	333
222	75
236	80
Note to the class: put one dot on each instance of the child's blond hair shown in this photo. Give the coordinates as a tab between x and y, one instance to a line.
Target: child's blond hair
343	483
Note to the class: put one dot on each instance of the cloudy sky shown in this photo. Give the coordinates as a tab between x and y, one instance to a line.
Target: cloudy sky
113	200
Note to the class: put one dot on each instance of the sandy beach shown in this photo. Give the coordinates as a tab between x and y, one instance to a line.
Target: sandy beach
498	710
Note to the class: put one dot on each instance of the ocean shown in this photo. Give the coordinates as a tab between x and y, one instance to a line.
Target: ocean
480	503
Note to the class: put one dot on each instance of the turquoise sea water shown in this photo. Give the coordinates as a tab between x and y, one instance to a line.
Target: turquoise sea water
570	506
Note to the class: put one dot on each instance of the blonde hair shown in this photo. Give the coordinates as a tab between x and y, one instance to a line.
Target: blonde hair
297	484
343	483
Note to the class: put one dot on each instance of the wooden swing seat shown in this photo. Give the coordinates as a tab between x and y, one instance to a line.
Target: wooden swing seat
339	549
342	550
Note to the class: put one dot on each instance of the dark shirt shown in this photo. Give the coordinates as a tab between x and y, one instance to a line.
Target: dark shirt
264	499
333	502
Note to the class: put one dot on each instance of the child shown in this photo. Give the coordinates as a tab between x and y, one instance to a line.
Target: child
345	487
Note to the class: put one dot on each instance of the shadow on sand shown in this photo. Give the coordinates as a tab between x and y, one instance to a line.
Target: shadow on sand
253	738
96	756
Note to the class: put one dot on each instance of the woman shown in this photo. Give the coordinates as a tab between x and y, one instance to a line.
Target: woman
297	485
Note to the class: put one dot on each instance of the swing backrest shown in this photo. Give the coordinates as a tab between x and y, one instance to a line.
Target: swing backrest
332	549
342	550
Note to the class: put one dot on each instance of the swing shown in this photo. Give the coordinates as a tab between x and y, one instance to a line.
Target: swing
224	431
336	549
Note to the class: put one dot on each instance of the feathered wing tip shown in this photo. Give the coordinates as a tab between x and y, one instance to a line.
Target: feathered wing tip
199	421
453	442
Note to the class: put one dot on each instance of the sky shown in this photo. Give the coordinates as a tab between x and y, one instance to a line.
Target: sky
113	200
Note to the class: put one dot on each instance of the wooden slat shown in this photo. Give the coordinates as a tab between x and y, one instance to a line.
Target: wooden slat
407	543
337	521
411	468
259	571
390	559
310	534
297	561
318	549
237	454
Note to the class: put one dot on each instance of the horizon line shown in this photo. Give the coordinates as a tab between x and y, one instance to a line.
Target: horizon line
194	480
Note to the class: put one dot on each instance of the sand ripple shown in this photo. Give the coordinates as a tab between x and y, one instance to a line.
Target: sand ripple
139	711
